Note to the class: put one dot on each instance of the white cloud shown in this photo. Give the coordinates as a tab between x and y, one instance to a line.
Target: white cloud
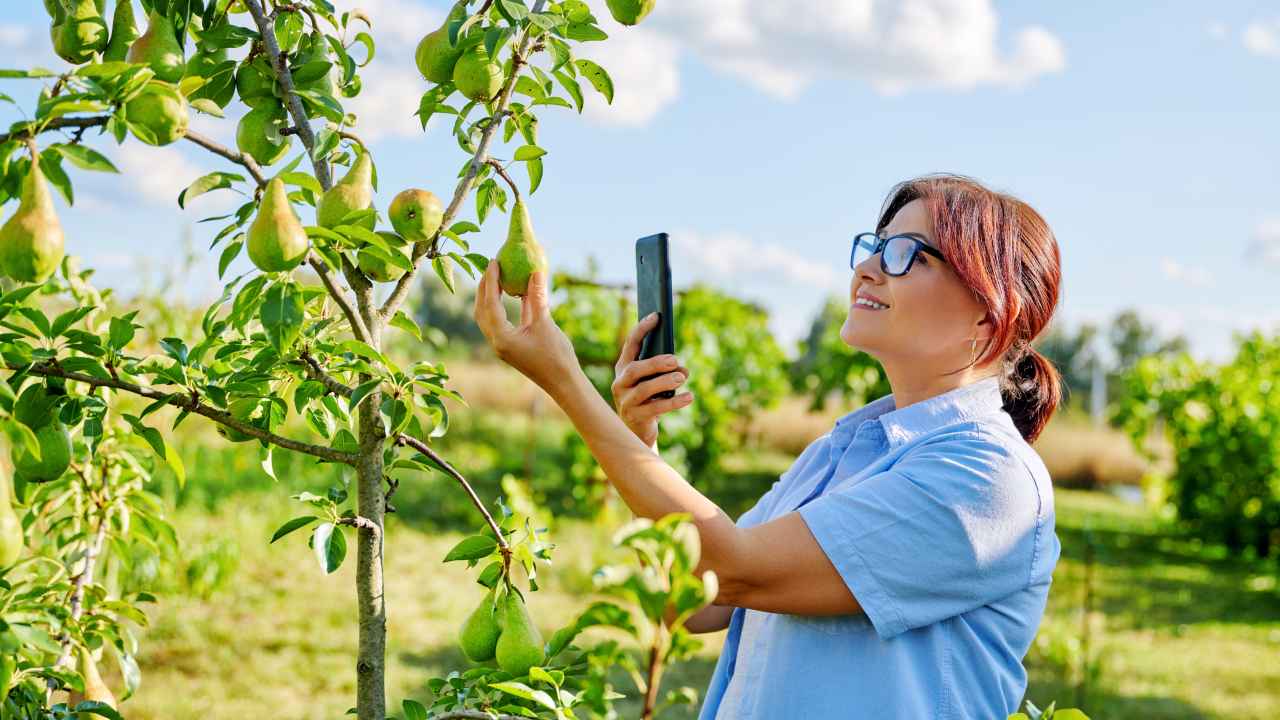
737	258
644	66
1193	276
1266	243
783	47
1262	38
388	99
156	174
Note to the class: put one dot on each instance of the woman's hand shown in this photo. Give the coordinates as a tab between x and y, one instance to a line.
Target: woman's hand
538	348
634	399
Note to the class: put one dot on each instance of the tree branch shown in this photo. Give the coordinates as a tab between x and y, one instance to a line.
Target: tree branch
192	404
58	123
358	282
429	248
233	155
502	172
470	715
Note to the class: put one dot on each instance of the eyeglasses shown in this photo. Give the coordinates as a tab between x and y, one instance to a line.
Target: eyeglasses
899	251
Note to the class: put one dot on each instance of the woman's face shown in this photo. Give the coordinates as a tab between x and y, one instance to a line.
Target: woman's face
932	317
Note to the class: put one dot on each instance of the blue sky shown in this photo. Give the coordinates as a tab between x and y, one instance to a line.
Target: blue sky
762	137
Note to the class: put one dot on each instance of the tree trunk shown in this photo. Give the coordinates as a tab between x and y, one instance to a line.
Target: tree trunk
371	698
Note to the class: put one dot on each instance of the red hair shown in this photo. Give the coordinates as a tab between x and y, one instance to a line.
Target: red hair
1005	253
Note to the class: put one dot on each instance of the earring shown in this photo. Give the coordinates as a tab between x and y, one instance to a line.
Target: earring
973	351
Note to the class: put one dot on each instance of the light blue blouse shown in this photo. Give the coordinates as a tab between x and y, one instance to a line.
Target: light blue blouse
939	518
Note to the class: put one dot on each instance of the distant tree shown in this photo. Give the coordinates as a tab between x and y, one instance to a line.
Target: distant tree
827	366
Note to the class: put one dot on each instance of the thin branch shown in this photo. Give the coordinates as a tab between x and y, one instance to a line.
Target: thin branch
353	137
91	553
502	172
429	248
470	715
361	523
416	444
362	286
58	123
316	372
233	155
192	404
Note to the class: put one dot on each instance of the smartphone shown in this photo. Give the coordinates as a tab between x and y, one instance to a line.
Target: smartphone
653	293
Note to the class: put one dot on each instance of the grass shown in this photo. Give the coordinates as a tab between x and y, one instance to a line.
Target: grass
1183	631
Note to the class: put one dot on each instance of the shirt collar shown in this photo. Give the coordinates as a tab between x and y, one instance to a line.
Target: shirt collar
904	424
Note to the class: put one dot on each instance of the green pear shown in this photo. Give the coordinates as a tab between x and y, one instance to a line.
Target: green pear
416	214
11	538
218	73
94	687
55	454
159	48
353	192
476	75
435	56
241	408
31	243
81	33
478	636
158	115
378	267
124	30
521	255
277	242
520	644
629	12
258	134
256	83
57	11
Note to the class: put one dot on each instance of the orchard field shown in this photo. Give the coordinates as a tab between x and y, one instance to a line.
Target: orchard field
318	493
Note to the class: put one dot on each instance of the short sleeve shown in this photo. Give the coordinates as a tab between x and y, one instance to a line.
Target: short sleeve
760	512
952	526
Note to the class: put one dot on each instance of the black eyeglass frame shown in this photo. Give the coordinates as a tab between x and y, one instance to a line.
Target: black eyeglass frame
917	244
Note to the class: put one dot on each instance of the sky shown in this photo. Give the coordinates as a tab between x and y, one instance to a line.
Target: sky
763	136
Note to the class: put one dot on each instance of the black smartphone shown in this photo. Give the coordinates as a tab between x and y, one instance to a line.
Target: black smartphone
653	293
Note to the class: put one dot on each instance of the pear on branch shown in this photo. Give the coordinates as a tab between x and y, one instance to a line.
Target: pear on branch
521	255
476	75
353	192
630	12
94	686
256	83
12	540
373	264
158	115
277	241
159	49
520	644
416	214
258	134
436	56
312	69
478	636
81	33
31	243
124	30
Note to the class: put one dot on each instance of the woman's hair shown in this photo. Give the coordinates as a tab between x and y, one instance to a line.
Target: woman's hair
1007	256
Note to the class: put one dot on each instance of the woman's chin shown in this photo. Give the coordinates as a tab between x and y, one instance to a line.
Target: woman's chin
855	338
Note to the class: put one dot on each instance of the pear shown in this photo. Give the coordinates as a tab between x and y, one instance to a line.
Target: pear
94	687
277	242
218	74
158	114
81	33
416	214
11	537
57	11
435	56
521	255
378	267
353	192
256	83
242	408
476	75
478	636
55	454
629	12
124	30
31	243
159	48
520	644
258	134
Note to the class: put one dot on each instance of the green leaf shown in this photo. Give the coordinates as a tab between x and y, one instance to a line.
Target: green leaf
51	164
85	158
529	152
229	253
534	167
329	545
599	78
207	183
570	86
161	448
413	710
361	392
472	548
294	524
283	312
302	180
407	324
208	107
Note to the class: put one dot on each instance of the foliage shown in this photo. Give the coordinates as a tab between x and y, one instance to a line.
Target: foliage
828	367
1223	423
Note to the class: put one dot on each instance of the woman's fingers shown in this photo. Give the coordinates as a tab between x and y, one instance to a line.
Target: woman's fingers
654	408
642	394
489	313
632	372
631	348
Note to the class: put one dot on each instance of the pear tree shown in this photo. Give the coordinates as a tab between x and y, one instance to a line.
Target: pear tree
292	356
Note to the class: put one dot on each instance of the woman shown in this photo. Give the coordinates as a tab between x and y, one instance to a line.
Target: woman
900	567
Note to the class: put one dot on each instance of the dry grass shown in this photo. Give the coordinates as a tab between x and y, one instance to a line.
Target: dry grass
1081	455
